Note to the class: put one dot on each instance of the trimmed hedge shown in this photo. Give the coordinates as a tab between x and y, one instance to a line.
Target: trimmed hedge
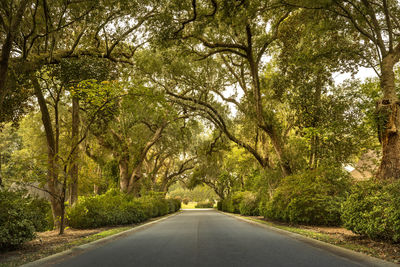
201	205
115	208
245	203
313	197
20	218
373	209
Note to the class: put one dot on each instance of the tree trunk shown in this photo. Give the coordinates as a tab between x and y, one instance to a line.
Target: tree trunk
134	187
95	189
124	173
388	111
278	146
74	169
52	170
1	180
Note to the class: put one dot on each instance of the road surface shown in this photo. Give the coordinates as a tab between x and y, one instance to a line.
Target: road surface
207	238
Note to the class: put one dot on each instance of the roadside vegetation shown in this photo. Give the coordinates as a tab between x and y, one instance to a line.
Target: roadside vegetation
113	112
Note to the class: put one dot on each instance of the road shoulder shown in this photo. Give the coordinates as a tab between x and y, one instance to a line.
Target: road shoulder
334	249
73	251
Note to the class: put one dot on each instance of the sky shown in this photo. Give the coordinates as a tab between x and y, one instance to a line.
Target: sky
362	74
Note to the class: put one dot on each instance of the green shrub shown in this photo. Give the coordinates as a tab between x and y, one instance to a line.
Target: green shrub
16	224
313	197
373	209
249	204
178	203
219	205
39	210
173	205
115	208
226	205
202	205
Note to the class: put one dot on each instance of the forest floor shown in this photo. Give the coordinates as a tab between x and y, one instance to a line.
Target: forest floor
340	237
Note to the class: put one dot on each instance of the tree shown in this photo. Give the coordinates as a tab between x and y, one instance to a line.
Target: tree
237	36
376	27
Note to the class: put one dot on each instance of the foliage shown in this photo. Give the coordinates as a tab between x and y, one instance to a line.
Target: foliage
116	208
373	209
198	194
20	218
313	197
249	204
201	205
245	203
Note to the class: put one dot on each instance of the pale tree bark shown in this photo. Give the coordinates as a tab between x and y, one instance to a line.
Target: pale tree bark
389	110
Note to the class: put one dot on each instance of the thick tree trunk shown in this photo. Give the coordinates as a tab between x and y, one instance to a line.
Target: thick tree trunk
74	169
134	187
389	115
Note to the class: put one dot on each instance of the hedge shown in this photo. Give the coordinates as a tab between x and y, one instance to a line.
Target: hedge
116	208
21	217
373	209
313	197
245	203
201	205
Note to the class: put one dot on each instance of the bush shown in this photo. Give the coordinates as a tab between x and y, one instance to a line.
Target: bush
201	205
232	202
185	200
219	205
249	204
373	209
226	205
313	197
39	210
174	205
16	224
115	208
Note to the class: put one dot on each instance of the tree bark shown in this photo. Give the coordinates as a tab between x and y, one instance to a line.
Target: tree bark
389	115
74	168
52	170
124	176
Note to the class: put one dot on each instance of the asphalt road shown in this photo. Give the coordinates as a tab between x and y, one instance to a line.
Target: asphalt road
207	238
